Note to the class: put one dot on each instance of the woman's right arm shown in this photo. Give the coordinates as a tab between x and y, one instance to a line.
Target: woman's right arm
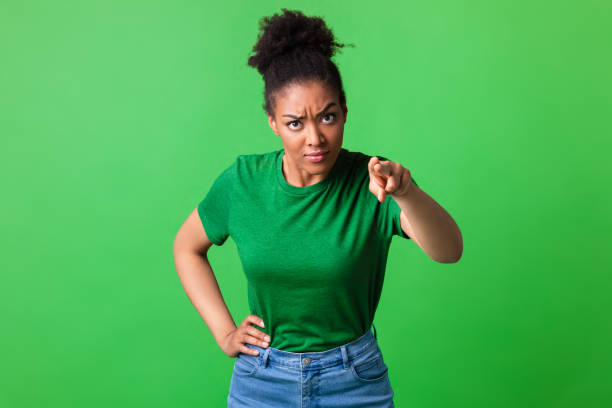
190	248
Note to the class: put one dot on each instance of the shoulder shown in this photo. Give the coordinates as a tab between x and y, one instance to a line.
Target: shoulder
250	169
354	158
360	160
360	157
257	161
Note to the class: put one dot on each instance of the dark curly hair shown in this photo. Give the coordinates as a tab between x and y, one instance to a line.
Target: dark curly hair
293	48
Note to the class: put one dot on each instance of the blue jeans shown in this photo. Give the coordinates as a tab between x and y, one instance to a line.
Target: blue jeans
351	375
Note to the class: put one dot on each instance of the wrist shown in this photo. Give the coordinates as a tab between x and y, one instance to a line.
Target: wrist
406	192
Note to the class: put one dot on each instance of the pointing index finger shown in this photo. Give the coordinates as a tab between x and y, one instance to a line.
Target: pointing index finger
373	161
383	168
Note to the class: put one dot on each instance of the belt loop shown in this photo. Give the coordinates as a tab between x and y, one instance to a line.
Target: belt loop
344	357
375	336
265	357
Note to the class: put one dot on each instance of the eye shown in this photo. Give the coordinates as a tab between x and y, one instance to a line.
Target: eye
333	115
293	121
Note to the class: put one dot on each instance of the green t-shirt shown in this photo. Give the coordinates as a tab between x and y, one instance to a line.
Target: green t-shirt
314	256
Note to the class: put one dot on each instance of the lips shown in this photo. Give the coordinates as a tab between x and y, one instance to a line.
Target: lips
318	153
317	157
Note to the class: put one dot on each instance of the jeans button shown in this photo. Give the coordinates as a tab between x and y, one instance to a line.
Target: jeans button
306	361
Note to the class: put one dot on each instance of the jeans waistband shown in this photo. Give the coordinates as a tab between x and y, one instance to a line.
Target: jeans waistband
317	359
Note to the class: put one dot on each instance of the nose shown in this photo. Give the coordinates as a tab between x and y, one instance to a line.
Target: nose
315	137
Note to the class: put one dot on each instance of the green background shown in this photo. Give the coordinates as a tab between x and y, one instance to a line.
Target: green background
117	116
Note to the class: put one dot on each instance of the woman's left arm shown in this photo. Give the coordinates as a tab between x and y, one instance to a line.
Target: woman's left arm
422	218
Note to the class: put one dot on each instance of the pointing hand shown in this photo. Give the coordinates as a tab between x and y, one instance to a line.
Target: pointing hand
387	177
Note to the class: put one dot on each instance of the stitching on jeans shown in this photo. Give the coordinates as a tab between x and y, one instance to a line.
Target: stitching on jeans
363	349
251	367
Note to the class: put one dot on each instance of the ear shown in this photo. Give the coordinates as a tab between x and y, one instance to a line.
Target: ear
272	123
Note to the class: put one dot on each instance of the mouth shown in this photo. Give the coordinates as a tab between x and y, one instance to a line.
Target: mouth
317	156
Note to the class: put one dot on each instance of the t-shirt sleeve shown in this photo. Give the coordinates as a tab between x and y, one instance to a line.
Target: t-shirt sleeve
389	221
215	209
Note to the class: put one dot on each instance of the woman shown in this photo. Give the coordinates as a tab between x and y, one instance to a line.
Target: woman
312	223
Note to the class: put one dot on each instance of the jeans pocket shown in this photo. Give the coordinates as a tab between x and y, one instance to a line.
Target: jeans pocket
373	369
246	365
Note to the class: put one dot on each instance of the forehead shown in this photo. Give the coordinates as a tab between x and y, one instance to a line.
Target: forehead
299	97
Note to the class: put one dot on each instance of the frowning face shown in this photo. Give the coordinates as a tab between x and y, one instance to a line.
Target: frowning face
309	119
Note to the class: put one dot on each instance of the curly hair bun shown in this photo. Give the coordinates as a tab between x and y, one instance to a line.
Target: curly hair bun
289	32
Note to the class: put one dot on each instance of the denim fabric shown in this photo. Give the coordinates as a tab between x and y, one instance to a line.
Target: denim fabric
351	375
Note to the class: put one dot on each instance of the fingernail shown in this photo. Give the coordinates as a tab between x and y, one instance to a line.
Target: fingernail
267	338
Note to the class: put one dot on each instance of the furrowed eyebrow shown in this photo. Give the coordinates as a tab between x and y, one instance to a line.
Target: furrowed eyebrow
302	117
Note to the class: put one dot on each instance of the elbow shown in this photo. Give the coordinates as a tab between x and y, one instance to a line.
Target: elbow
449	260
454	259
458	252
452	256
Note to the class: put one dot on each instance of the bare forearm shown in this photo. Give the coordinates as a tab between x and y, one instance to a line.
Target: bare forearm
198	280
433	227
